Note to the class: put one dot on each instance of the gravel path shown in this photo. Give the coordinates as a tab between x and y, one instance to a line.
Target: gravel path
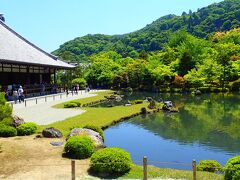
42	113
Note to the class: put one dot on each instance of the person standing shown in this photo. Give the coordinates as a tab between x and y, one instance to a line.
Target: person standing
15	96
20	94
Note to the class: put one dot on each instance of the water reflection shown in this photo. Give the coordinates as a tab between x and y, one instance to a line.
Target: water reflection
207	127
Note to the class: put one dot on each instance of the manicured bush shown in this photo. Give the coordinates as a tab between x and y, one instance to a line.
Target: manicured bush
26	129
209	165
7	121
95	128
2	98
79	147
70	105
5	109
76	102
232	169
7	131
114	161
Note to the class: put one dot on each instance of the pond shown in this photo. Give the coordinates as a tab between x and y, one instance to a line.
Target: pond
206	127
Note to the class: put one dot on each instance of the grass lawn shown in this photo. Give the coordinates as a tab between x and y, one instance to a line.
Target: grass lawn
100	96
98	116
153	172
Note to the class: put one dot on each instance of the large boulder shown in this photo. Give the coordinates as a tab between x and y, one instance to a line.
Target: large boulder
168	106
17	121
51	133
95	136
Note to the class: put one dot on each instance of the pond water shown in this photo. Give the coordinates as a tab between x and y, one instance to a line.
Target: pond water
206	127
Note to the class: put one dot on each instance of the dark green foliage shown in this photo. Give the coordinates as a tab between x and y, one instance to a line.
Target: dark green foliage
95	128
80	81
209	165
2	98
221	16
235	85
72	104
113	161
232	169
7	121
26	129
5	109
79	147
7	131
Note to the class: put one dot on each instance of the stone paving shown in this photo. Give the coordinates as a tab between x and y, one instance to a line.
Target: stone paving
41	111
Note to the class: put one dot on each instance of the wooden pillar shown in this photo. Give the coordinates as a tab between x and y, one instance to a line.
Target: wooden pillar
28	81
54	76
145	175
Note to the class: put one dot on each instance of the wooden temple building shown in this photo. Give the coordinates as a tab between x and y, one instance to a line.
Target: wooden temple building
23	63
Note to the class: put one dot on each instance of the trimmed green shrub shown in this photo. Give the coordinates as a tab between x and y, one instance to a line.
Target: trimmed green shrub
76	102
2	98
26	129
5	109
79	147
95	128
7	131
209	165
232	169
7	121
72	104
114	161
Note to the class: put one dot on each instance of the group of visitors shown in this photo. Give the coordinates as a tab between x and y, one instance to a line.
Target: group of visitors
15	93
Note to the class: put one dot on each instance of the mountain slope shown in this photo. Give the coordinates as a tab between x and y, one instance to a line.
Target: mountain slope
221	16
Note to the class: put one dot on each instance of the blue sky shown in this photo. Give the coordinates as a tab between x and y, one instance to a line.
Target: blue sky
50	23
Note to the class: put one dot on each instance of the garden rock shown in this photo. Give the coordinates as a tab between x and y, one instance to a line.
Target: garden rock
118	98
17	121
56	143
95	136
143	110
149	99
198	92
51	133
152	104
168	106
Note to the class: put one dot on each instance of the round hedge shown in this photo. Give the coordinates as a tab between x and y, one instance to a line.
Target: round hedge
232	169
7	131
7	121
26	129
70	105
209	165
96	129
114	161
79	147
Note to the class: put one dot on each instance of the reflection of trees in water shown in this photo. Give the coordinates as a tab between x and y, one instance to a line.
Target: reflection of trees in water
212	120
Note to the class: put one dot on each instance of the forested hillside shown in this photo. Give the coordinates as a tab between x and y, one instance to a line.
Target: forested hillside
217	17
185	62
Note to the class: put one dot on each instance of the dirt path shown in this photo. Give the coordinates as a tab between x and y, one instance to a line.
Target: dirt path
27	158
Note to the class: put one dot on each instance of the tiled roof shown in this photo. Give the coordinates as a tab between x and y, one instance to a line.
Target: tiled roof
16	49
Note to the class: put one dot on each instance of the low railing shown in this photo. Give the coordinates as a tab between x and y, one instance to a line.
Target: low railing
72	169
52	97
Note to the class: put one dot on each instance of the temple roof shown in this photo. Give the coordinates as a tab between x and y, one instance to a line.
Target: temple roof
17	50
